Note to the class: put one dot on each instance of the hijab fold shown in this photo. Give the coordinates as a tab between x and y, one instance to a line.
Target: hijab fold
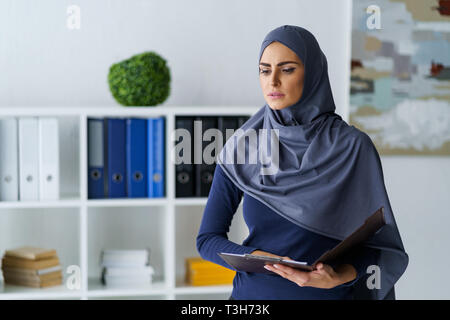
328	176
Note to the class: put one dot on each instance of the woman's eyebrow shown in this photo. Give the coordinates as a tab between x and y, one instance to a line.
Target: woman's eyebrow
280	64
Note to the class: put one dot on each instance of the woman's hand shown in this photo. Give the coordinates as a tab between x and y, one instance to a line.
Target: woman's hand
268	254
324	277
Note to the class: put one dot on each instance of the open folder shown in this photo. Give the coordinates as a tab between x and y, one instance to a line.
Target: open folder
254	263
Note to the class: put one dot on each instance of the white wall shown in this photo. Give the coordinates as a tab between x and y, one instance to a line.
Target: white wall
212	49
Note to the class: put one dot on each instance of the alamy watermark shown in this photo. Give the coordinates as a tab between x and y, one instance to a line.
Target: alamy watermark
74	17
374	280
240	145
374	20
73	281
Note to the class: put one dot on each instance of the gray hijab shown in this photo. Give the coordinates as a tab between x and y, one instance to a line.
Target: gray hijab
329	177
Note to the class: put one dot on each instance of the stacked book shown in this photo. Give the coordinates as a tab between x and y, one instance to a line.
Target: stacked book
126	267
200	272
31	267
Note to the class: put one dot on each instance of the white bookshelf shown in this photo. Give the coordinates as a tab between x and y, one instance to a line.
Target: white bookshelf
78	227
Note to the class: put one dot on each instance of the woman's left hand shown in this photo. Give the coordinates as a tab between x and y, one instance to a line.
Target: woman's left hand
323	277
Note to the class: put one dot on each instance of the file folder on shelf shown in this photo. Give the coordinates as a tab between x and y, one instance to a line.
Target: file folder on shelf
9	156
96	181
184	171
230	123
204	172
137	158
115	156
28	159
156	158
48	159
242	120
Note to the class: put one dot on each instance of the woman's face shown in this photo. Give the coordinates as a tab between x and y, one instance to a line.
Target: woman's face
281	75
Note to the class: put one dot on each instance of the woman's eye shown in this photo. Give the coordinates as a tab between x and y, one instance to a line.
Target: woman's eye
266	71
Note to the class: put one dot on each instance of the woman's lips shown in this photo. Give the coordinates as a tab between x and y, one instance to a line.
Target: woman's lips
276	95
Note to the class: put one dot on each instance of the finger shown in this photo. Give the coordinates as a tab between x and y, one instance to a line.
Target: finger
275	270
290	270
324	268
272	268
299	277
320	268
268	267
292	274
321	272
285	269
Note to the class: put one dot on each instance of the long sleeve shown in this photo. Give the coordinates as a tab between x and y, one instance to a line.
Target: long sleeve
223	200
360	260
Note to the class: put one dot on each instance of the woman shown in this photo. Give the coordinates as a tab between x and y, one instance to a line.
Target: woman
327	180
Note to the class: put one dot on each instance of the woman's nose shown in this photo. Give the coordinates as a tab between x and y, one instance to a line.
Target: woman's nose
274	80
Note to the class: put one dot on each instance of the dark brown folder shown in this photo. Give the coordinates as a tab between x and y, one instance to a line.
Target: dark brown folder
255	263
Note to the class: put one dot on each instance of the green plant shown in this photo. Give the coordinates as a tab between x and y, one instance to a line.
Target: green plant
142	80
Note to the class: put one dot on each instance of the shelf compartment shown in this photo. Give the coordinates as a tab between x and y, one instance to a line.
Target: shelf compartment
54	228
187	223
122	227
68	158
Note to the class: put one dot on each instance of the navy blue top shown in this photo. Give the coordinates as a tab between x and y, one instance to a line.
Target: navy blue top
270	232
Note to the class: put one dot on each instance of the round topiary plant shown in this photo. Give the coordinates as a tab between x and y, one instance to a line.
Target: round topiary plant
142	80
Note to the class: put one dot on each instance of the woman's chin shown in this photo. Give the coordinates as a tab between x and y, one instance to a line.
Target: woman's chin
277	106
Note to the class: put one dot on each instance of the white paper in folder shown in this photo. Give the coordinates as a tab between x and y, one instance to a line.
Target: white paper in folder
28	159
9	172
48	159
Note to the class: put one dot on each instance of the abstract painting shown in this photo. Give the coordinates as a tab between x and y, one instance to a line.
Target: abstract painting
400	75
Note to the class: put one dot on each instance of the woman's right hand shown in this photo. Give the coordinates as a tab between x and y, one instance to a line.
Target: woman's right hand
268	254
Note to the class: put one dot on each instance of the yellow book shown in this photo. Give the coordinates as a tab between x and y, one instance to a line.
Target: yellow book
215	271
31	272
202	272
210	282
29	264
210	278
35	277
201	264
26	283
198	262
30	253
